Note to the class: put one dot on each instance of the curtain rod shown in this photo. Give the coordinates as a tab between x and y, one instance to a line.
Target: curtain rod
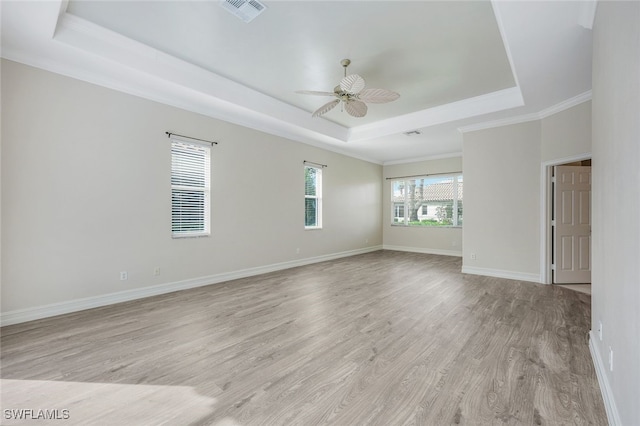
428	174
189	137
315	164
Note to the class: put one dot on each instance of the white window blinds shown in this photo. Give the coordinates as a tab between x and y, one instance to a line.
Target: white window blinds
190	188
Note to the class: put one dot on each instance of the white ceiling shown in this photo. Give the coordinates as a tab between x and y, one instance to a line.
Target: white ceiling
455	64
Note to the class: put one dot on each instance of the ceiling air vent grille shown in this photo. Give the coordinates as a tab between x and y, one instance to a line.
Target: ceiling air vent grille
243	9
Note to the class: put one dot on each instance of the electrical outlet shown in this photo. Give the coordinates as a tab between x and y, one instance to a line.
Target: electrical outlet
156	271
124	275
600	330
473	256
298	251
610	359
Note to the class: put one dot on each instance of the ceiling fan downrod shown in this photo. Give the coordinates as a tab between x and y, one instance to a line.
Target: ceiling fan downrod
345	63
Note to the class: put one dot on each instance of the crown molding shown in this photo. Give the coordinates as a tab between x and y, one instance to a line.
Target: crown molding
427	158
499	123
547	112
566	104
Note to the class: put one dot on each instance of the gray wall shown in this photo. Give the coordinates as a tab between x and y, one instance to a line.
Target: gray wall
502	199
503	169
616	205
86	194
567	133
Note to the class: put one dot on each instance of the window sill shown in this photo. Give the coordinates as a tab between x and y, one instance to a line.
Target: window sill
398	225
180	237
313	228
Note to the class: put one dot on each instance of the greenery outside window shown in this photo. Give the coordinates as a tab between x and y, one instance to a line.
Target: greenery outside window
312	197
427	201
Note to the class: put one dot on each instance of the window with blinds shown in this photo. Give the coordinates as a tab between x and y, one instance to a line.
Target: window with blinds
190	188
312	197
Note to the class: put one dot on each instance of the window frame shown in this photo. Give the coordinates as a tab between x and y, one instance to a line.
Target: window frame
457	201
317	197
205	189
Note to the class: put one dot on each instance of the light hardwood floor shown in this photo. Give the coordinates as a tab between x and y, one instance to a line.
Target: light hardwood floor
584	288
385	338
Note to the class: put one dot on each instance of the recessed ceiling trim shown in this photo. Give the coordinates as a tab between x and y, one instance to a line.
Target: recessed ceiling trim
484	104
564	105
33	33
197	82
427	158
82	34
505	41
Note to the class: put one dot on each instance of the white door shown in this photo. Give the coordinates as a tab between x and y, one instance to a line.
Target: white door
572	230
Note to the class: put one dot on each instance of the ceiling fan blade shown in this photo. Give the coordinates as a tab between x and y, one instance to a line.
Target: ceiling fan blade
378	96
315	93
352	84
356	108
325	108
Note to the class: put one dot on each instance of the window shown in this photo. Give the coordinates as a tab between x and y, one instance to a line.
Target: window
190	188
312	197
398	210
427	201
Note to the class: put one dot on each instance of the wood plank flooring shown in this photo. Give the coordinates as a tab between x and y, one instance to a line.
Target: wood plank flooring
385	338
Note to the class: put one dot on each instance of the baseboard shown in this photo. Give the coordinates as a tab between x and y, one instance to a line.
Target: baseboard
423	250
39	312
605	389
498	273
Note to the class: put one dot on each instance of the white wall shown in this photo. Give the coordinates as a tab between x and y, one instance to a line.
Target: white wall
565	138
567	133
616	207
436	240
86	194
503	190
502	201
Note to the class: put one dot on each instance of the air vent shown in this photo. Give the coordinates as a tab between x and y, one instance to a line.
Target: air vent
246	10
413	133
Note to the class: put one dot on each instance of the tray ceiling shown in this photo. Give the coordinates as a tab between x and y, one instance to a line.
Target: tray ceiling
454	63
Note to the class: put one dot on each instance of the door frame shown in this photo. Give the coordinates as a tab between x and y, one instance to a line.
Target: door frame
546	213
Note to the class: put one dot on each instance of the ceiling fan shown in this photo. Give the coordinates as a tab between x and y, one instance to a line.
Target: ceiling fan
353	95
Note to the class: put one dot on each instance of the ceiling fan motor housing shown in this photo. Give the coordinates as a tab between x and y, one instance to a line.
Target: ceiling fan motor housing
352	93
